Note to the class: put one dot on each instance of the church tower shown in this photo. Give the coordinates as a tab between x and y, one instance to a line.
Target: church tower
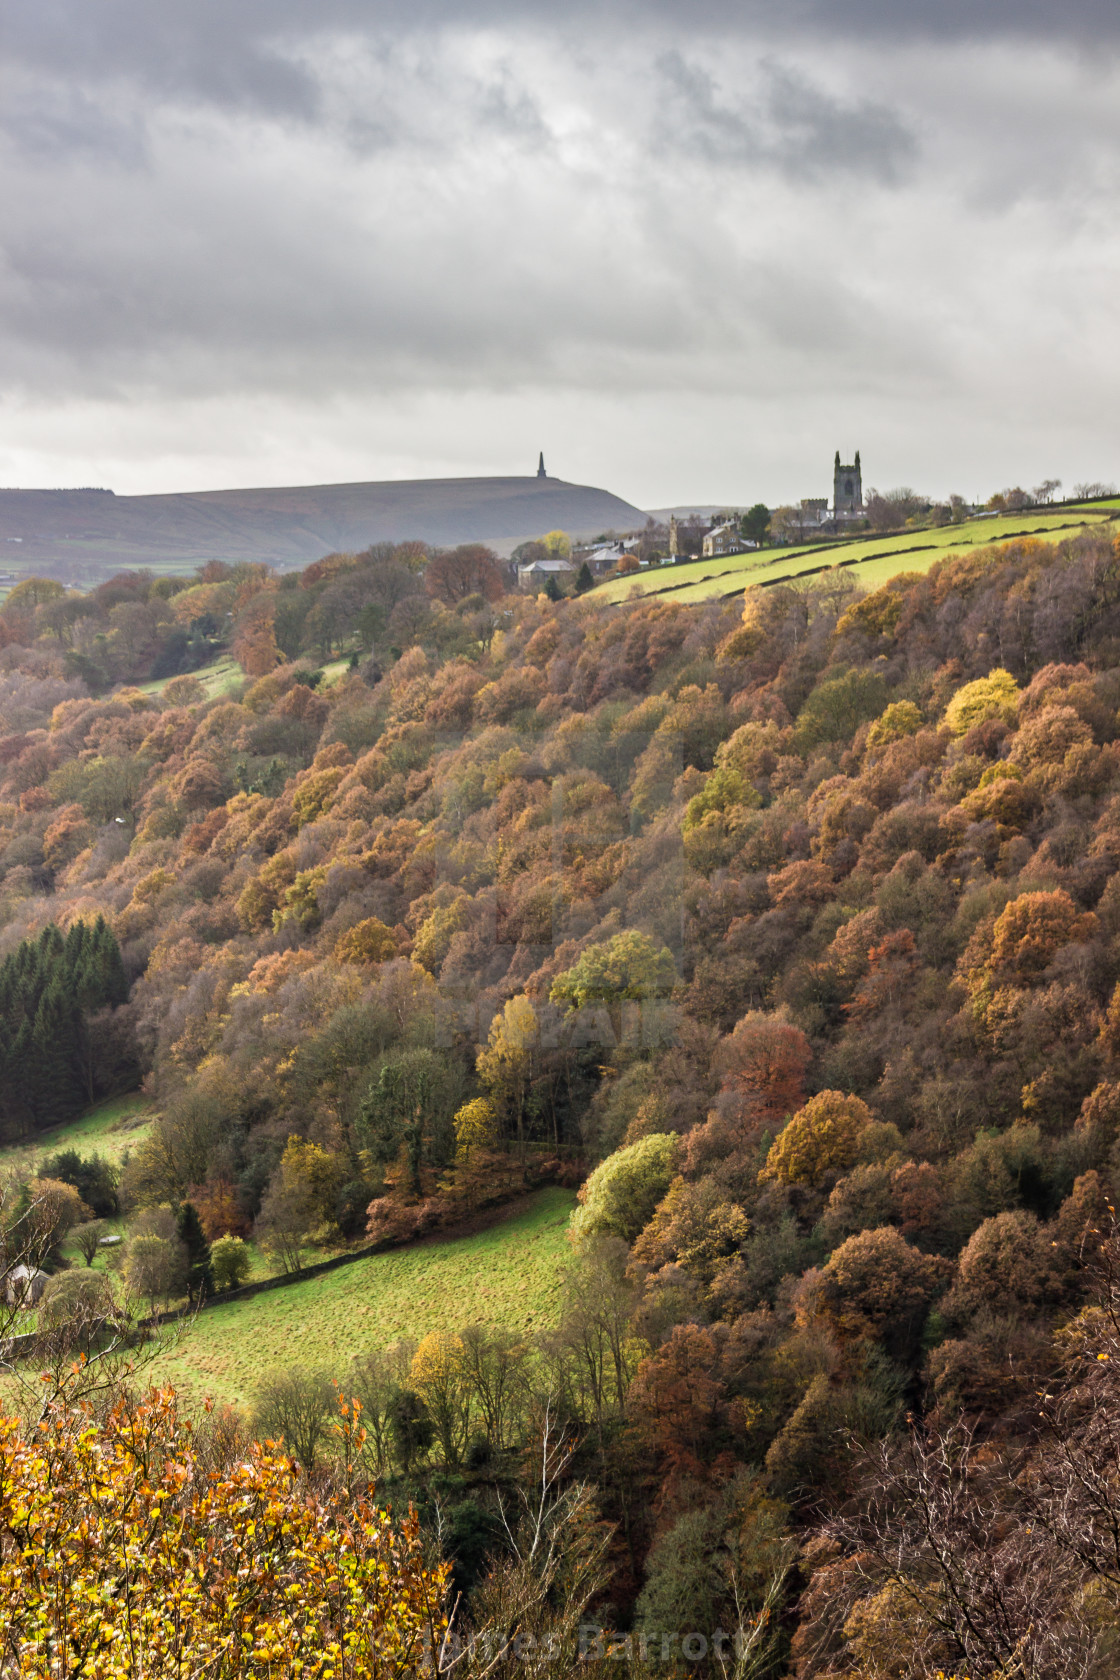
847	488
542	474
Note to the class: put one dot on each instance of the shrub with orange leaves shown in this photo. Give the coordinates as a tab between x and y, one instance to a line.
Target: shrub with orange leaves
1031	930
122	1554
269	973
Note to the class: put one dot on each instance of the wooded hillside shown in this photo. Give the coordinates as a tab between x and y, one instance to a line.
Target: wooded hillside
793	920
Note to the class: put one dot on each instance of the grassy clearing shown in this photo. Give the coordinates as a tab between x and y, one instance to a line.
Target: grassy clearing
110	1130
871	561
334	671
510	1274
219	679
225	676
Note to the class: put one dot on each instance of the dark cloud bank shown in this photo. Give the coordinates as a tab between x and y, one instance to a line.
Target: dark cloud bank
664	239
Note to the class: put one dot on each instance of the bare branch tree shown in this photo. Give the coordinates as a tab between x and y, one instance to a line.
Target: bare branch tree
528	1611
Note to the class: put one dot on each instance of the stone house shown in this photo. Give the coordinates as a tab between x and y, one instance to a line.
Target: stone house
537	573
722	539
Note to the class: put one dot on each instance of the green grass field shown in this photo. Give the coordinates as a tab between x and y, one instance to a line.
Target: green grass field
219	679
110	1130
871	561
334	671
225	676
510	1275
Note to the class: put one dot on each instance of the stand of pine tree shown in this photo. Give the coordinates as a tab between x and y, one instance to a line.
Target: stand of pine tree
53	992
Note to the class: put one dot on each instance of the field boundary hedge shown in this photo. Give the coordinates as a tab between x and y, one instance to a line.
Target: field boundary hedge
304	1274
743	574
23	1346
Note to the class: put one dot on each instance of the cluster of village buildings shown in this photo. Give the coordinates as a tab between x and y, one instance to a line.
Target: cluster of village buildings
722	536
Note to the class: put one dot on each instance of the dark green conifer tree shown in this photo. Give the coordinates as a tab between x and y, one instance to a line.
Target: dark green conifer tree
200	1278
50	987
110	966
93	1178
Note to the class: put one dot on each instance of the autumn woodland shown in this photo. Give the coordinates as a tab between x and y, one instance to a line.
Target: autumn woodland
782	932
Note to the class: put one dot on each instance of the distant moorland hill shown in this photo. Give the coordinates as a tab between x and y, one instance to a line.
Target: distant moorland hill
85	530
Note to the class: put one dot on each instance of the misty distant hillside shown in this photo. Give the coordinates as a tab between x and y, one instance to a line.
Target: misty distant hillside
79	532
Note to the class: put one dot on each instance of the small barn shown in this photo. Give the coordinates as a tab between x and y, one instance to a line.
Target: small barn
24	1286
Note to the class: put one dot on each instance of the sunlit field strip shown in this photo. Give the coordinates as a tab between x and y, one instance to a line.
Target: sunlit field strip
909	551
508	1275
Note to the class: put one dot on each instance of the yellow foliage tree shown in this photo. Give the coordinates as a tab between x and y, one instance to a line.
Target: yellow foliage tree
433	939
476	1127
202	599
723	795
477	1169
821	1138
901	718
309	1171
314	794
368	942
33	592
301	901
993	696
505	1065
439	1376
123	1554
54	1209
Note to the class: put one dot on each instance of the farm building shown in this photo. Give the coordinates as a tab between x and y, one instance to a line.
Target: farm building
537	573
24	1286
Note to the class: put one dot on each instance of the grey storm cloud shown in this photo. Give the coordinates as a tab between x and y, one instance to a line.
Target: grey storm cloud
50	120
789	123
240	53
619	216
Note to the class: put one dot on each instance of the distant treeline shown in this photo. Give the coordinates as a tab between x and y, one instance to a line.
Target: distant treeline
137	627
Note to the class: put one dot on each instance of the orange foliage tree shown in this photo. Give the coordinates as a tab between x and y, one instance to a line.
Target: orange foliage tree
1031	930
678	1400
765	1059
470	569
763	1065
254	642
219	1210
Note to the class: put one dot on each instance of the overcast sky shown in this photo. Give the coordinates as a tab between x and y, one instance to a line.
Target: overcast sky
689	249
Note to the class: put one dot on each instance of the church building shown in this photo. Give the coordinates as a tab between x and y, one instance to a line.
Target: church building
847	489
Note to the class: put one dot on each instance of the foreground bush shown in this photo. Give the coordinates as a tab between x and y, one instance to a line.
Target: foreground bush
123	1555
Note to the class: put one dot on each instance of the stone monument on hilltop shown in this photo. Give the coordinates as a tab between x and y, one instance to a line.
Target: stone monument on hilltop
542	474
847	488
